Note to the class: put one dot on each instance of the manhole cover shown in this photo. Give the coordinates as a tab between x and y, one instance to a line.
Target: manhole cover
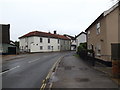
82	79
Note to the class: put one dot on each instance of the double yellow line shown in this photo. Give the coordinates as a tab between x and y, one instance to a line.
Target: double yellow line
54	67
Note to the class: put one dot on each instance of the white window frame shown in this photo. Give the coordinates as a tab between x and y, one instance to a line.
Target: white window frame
98	28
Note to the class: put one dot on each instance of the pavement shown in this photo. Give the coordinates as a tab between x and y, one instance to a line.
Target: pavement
73	72
12	57
108	72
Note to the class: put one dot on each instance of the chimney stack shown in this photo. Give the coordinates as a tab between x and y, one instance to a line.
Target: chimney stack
55	32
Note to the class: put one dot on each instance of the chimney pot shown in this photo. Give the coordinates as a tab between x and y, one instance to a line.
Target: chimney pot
55	32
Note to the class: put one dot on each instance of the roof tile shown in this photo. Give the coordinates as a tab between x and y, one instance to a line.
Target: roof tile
44	34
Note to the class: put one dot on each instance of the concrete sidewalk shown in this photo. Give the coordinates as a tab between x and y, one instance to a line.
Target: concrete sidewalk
74	73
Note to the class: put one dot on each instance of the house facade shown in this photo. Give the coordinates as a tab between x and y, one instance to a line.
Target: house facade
81	38
73	42
104	32
37	41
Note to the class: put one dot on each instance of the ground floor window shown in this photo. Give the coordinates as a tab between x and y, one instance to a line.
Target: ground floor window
41	47
48	47
98	50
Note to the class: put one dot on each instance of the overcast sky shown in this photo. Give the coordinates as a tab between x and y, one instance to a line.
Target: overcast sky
66	16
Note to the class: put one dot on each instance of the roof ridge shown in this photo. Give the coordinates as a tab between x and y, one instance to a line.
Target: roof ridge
44	34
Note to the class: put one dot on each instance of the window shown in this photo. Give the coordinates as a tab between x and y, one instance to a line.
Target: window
98	28
48	40
49	47
88	32
58	41
41	47
98	49
40	40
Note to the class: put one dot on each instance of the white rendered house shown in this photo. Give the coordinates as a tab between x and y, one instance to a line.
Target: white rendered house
37	41
81	38
73	41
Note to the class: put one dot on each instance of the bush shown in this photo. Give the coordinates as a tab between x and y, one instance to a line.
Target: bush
81	47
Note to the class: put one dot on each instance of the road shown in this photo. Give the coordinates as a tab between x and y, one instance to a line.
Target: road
29	71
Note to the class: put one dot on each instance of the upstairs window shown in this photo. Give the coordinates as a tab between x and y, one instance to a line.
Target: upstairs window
58	41
48	40
88	34
98	28
41	40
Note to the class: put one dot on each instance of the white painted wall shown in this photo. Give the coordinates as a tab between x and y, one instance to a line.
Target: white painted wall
81	39
34	44
35	47
73	45
73	42
26	42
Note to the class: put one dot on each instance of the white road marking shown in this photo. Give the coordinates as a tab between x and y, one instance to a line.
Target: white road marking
33	61
9	70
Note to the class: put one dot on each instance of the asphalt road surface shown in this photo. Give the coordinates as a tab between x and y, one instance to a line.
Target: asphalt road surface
28	71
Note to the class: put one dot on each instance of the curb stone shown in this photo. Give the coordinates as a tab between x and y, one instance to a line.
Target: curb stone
47	83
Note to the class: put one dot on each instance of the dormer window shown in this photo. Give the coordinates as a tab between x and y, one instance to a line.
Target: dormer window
98	28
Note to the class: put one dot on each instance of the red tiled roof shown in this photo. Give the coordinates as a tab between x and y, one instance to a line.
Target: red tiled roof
44	34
